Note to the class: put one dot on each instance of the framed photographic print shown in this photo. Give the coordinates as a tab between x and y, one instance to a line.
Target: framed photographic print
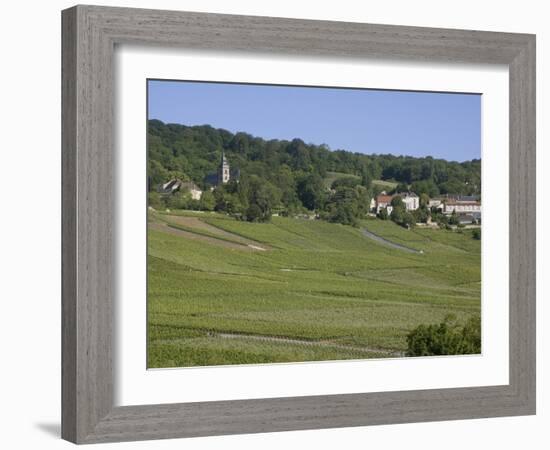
268	222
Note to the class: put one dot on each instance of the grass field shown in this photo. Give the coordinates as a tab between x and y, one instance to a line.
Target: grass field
221	291
389	185
333	176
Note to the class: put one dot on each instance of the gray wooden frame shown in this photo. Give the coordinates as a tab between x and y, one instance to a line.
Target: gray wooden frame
89	36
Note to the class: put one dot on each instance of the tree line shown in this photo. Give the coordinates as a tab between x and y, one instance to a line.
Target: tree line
288	177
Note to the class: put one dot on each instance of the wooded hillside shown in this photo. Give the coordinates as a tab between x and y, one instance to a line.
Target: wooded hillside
195	151
291	175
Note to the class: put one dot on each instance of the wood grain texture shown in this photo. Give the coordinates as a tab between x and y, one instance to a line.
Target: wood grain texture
87	209
89	36
522	224
68	226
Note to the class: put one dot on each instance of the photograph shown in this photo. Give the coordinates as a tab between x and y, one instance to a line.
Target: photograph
291	224
258	225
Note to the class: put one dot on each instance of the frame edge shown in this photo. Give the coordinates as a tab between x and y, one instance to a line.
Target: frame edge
68	224
88	416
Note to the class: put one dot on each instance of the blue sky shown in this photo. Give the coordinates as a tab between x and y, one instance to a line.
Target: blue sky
441	125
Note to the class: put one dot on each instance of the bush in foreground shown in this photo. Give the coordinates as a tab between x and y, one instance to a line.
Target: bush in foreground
447	338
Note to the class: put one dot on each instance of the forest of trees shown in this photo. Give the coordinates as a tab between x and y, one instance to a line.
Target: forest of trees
289	176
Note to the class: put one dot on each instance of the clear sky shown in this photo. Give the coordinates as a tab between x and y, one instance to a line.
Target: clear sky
441	125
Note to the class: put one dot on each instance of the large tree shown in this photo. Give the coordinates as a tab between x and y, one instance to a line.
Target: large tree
311	191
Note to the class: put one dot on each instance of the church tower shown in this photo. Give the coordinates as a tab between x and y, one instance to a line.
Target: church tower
223	170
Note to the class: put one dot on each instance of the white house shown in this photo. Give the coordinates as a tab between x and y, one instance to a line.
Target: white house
372	204
411	200
382	201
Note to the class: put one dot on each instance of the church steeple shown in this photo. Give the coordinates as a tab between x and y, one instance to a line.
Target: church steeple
223	170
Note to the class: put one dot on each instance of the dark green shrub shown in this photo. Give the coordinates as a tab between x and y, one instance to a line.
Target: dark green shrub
254	213
154	200
447	338
383	214
453	219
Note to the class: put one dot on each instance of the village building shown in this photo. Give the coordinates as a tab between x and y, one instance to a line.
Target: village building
462	207
382	201
461	198
410	200
468	208
177	185
435	203
193	189
467	219
372	206
170	186
224	173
